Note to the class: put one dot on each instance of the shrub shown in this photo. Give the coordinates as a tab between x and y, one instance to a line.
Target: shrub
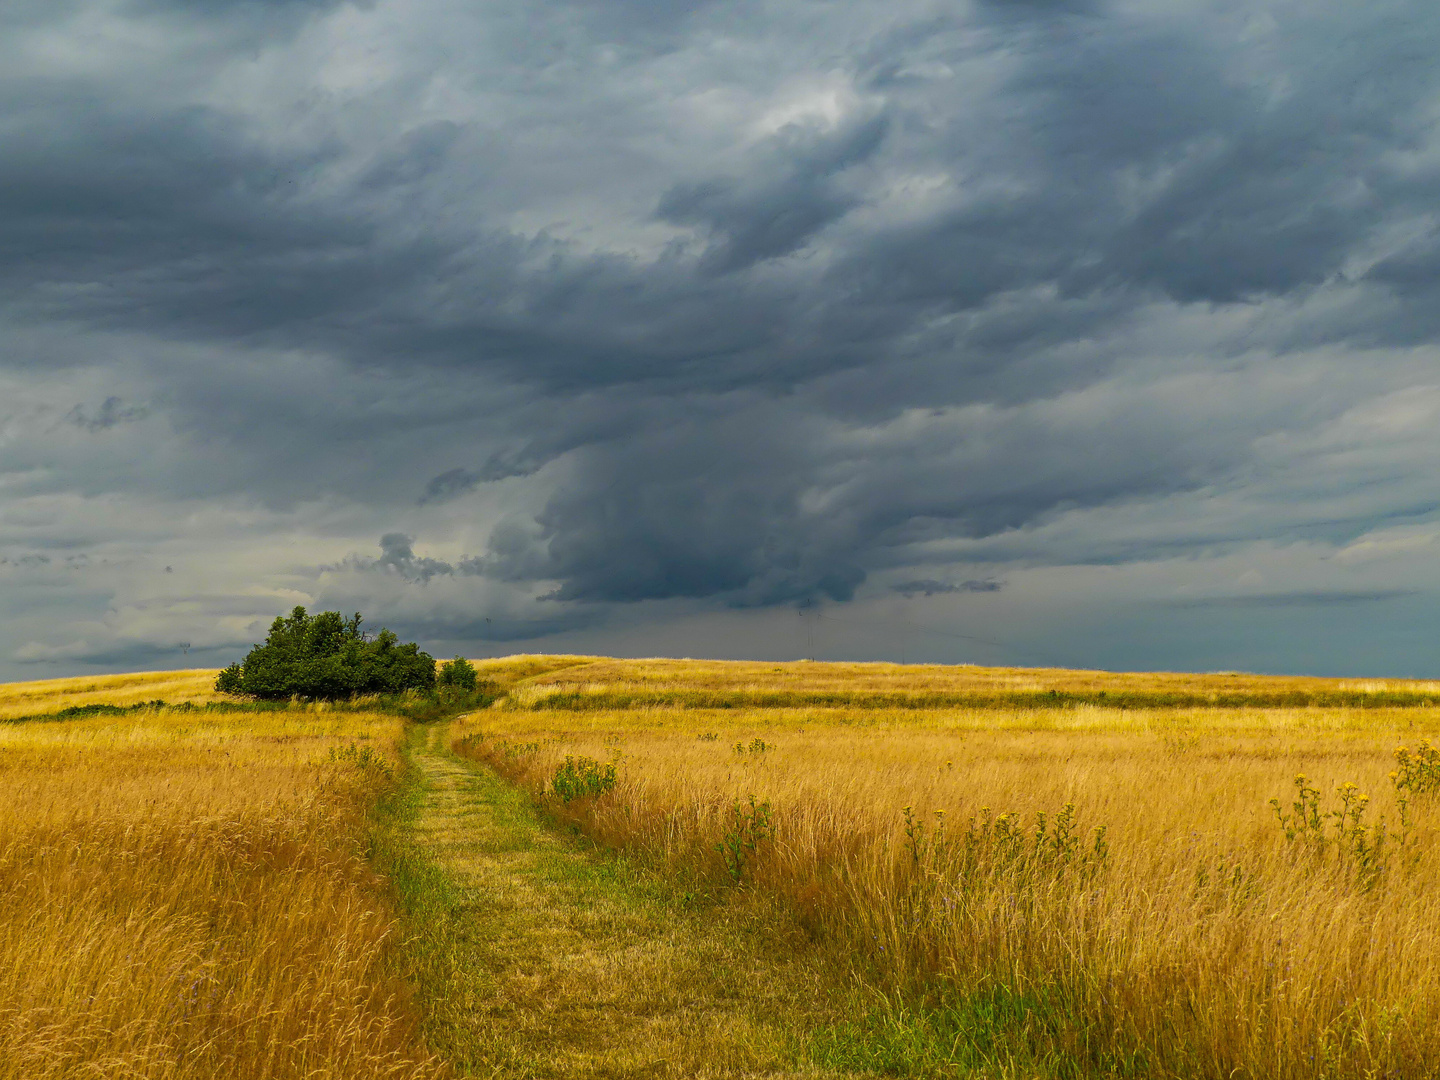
747	831
327	656
458	673
230	680
582	777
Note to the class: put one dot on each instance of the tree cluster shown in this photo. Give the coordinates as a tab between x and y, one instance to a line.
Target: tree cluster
458	674
327	656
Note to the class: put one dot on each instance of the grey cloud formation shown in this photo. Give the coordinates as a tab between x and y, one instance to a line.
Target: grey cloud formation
630	316
1316	598
502	465
397	556
112	411
790	195
931	587
450	484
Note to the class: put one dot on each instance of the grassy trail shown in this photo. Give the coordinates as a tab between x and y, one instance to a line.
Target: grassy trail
556	963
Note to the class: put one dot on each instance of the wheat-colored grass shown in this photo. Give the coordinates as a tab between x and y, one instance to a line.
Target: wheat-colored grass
51	695
600	674
185	895
550	962
1204	943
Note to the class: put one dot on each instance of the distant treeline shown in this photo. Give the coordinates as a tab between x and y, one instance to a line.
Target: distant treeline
584	700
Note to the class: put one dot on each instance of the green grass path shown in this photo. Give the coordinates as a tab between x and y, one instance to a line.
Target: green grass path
544	960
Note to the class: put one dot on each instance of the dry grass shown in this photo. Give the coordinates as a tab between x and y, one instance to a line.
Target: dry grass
1199	941
587	682
523	667
189	898
547	961
52	695
185	894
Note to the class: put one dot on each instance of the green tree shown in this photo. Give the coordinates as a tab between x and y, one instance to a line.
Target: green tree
459	674
327	656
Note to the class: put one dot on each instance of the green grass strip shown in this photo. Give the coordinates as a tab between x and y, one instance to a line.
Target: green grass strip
488	956
586	700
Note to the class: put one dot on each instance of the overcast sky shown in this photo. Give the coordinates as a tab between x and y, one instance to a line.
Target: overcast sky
1046	332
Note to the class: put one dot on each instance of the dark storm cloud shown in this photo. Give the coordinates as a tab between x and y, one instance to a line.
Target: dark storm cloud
112	411
760	503
449	485
702	302
194	227
502	465
498	629
931	587
171	223
789	196
397	556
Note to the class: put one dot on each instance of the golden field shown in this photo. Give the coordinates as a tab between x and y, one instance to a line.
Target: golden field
1042	873
1156	921
184	894
597	682
52	695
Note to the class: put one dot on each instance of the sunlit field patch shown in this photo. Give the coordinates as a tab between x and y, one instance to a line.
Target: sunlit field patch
187	895
600	683
1024	873
52	695
1129	891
